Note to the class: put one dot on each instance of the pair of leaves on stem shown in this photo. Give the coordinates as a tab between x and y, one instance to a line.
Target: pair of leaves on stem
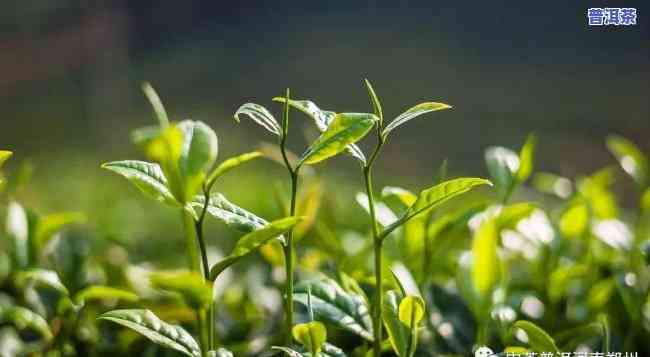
406	116
323	118
339	130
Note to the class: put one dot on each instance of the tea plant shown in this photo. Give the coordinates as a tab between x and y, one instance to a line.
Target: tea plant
339	132
538	263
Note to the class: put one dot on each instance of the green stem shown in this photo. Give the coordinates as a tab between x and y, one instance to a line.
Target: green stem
198	224
288	247
377	312
200	317
288	260
198	262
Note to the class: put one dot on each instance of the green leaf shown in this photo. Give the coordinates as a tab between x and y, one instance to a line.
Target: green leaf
252	241
600	293
4	156
333	305
574	221
398	333
311	335
571	338
25	319
18	231
322	119
198	154
538	339
411	311
486	269
376	104
48	226
345	129
412	113
148	177
166	150
631	159
526	156
149	325
189	285
156	103
485	261
560	279
595	189
443	192
100	292
230	164
261	116
435	196
42	277
404	279
232	215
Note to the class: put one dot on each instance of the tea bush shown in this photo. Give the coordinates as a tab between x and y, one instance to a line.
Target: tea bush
443	271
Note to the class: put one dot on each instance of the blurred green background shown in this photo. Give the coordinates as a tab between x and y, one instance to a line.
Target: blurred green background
71	73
